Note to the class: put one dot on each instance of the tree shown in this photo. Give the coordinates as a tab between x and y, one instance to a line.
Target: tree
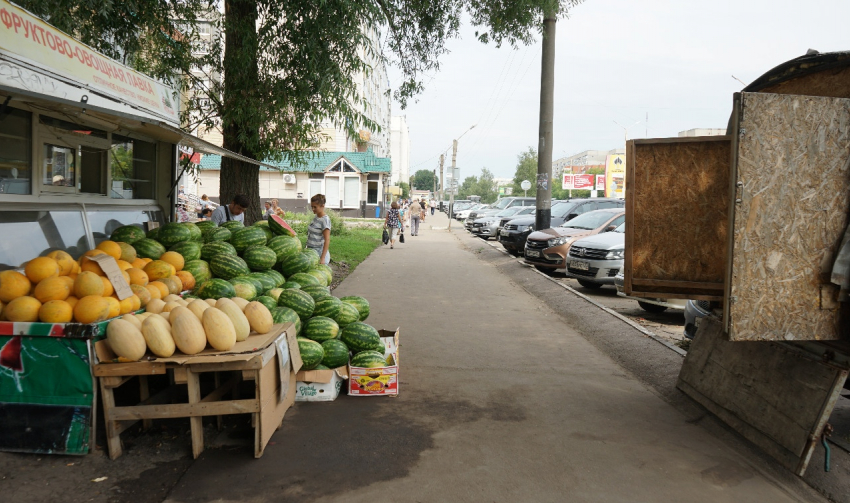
423	180
526	169
487	187
405	189
288	65
468	187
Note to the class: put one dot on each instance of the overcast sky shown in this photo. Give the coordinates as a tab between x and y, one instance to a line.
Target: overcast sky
616	60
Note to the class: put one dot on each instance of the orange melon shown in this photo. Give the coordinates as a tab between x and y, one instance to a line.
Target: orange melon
137	303
128	253
142	293
178	284
72	301
162	287
69	280
41	268
56	311
86	264
13	285
86	284
153	291
110	248
174	259
55	288
66	261
159	269
123	264
138	276
126	305
92	309
107	287
186	279
139	263
125	276
22	309
114	306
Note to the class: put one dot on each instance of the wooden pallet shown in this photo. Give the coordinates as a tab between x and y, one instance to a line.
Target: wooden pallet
270	360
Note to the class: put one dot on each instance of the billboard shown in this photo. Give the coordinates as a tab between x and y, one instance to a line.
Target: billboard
615	176
580	182
600	182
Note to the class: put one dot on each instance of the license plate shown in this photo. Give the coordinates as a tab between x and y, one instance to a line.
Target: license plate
577	264
532	253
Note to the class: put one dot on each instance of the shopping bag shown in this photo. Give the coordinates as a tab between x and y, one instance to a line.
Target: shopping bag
401	238
386	237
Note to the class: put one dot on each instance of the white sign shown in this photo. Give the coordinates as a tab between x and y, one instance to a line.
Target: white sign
568	181
525	185
600	183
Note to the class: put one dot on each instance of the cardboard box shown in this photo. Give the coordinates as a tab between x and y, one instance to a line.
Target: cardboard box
319	385
381	381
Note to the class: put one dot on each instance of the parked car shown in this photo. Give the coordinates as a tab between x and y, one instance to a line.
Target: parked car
488	227
463	213
463	207
695	311
509	202
475	215
595	260
547	249
650	305
516	231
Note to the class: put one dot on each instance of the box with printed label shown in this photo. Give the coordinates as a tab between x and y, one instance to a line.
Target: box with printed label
319	385
380	381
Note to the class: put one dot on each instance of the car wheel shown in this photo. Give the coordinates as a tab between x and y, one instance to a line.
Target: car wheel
651	308
589	284
548	271
515	253
485	238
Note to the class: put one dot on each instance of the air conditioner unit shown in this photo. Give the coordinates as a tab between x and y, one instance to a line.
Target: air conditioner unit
288	178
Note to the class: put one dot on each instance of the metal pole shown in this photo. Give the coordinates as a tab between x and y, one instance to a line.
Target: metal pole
543	218
442	180
454	181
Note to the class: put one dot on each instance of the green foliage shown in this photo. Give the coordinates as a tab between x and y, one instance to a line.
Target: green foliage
423	180
526	169
405	189
484	186
300	221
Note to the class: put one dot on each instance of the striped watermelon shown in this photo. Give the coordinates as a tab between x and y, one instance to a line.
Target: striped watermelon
319	275
172	233
190	250
269	302
329	273
361	337
282	314
232	225
336	353
274	293
265	279
320	329
151	234
304	279
298	301
205	225
279	226
368	360
327	306
244	287
259	257
200	270
311	353
258	285
266	231
216	289
246	237
228	266
210	250
320	366
276	276
347	314
317	291
284	246
261	223
313	255
290	285
148	248
217	234
360	303
293	264
195	231
128	234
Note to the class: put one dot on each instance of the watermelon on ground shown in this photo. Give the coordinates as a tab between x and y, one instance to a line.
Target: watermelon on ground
320	329
293	264
246	237
305	279
359	337
327	306
190	250
368	360
284	246
360	303
336	353
148	248
347	314
329	273
317	291
217	234
172	233
200	270
128	234
259	257
298	301
205	225
151	234
266	231
228	266
210	250
311	353
216	288
321	367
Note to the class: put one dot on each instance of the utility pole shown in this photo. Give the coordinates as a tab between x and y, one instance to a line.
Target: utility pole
435	181
543	218
454	181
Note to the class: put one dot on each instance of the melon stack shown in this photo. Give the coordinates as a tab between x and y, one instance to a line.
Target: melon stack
189	326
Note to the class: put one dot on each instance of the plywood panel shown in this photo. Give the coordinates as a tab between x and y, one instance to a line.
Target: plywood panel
790	213
677	216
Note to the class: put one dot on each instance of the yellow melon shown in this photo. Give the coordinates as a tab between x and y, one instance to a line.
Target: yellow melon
72	301
159	269
128	253
174	259
69	280
66	261
155	306
138	263
137	302
186	279
239	301
126	305
56	311
55	288
173	284
107	286
198	307
169	306
211	302
110	248
259	317
163	289
157	334
219	329
22	309
126	340
114	307
234	312
91	309
142	293
125	276
88	283
41	268
138	276
123	265
154	291
188	332
132	318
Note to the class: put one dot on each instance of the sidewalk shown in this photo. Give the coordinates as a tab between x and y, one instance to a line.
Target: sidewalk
500	401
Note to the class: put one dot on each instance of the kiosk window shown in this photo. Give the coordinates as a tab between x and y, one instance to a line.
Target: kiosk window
93	170
16	152
133	168
37	233
60	166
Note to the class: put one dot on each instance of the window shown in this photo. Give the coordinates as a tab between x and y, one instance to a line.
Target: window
37	233
352	192
73	157
93	170
133	168
332	199
315	187
16	152
61	126
609	204
372	193
60	166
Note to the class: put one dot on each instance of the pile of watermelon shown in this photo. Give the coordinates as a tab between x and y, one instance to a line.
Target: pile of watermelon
265	262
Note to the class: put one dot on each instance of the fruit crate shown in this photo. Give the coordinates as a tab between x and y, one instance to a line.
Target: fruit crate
380	381
47	393
269	360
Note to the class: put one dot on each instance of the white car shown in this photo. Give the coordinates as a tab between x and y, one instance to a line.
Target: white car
595	260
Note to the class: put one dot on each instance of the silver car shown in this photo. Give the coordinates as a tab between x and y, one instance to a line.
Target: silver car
488	227
595	260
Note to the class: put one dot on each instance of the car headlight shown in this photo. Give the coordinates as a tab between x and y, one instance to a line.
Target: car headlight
615	254
557	241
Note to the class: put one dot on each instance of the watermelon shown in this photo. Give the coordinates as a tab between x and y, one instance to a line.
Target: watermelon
129	234
259	257
257	284
298	301
328	272
261	223
304	279
320	366
361	337
293	264
246	237
210	250
266	231
244	288
311	353
217	234
336	353
327	306
228	266
274	293
232	225
347	314
200	270
148	248
319	275
173	233
313	255
265	280
269	302
216	289
190	250
276	276
280	227
317	291
360	303
290	284
195	232
320	329
284	246
151	234
368	360
205	225
281	314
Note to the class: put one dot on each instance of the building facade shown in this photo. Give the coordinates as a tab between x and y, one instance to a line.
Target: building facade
583	161
400	149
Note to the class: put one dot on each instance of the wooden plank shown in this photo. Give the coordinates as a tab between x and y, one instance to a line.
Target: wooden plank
255	362
196	422
272	409
195	410
113	435
128	369
179	375
792	180
144	395
775	397
676	245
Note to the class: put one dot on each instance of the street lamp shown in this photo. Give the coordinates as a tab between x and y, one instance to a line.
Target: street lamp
455	180
626	130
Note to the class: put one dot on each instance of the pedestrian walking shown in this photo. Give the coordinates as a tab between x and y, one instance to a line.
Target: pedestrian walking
393	222
432	205
424	206
415	211
319	230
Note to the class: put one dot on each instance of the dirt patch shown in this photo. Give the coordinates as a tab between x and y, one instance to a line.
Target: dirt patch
341	270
